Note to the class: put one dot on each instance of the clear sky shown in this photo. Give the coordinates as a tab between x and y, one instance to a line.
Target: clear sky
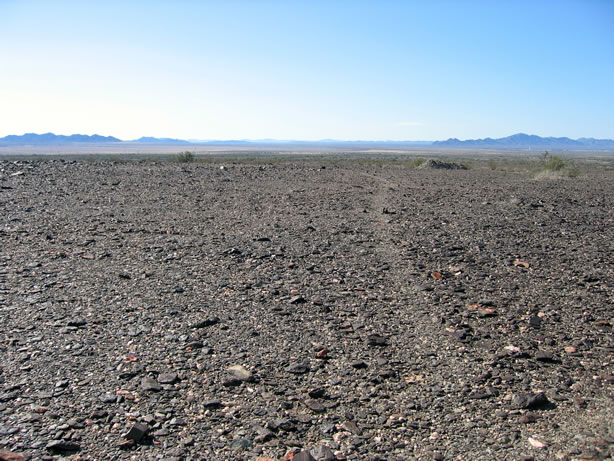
372	70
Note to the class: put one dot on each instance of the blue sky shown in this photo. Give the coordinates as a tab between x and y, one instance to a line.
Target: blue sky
372	70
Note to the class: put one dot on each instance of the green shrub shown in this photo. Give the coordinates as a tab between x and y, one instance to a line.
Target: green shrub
185	157
555	167
416	162
553	162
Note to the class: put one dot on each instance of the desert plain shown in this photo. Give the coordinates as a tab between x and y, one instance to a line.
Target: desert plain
313	308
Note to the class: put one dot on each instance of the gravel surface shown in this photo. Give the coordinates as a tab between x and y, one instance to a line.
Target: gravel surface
321	310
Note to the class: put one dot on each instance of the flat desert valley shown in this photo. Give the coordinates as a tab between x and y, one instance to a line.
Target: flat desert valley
347	309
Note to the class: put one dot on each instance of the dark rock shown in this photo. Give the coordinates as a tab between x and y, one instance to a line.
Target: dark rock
351	427
231	382
241	444
303	456
529	401
213	403
263	434
61	446
376	340
298	368
76	323
544	356
177	421
323	453
137	432
167	378
206	322
150	384
317	393
528	418
535	321
6	396
315	406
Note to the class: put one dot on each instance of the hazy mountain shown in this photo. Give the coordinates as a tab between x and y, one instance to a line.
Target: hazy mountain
526	141
517	141
152	140
50	138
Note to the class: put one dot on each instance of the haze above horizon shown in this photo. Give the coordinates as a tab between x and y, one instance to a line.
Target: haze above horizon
386	70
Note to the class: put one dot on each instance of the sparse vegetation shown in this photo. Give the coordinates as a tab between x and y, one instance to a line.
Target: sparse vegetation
185	157
554	167
552	162
416	162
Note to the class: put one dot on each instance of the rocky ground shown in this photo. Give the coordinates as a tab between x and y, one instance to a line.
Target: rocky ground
321	310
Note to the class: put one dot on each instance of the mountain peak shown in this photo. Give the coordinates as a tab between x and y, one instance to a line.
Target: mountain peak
50	138
528	141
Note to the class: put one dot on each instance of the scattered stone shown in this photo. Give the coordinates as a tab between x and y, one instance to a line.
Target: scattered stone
263	434
241	444
168	378
206	323
536	443
317	393
194	345
137	432
376	340
298	368
76	323
231	382
528	418
351	427
151	385
303	456
213	403
6	455
322	354
60	446
358	364
529	401
177	421
315	406
535	321
323	453
486	312
6	396
544	356
371	295
240	372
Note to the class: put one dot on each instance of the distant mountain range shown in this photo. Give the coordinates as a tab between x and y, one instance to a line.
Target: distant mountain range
50	138
150	140
528	141
517	141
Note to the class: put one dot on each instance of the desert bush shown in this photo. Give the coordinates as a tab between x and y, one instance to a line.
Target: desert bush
556	167
553	162
185	157
416	162
492	164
